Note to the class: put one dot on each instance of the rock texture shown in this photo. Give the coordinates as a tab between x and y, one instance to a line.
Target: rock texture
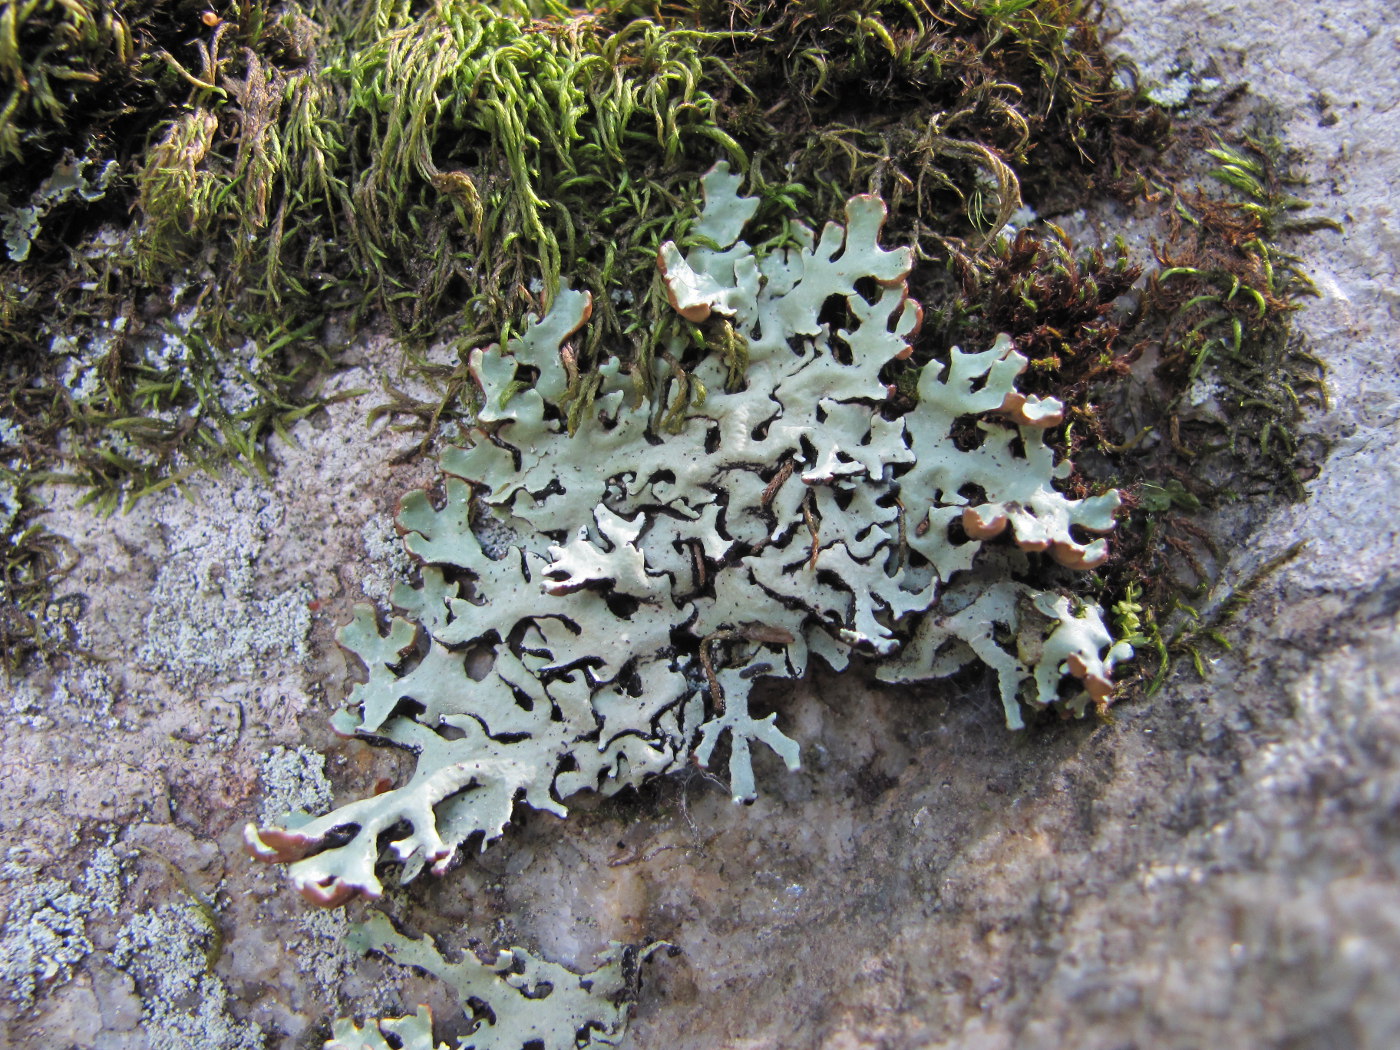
1217	868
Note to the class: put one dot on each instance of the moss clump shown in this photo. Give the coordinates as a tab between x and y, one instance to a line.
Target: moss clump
431	161
424	162
1227	290
1221	415
1061	305
68	65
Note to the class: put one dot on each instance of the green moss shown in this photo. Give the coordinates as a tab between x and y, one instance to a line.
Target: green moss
1228	289
443	164
56	59
1231	390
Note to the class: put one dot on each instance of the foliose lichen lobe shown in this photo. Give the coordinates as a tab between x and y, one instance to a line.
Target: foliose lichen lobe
667	556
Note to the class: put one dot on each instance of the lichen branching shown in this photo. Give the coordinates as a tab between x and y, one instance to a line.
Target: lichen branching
663	561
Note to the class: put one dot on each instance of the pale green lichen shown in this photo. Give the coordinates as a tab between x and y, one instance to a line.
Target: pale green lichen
388	561
69	181
293	780
45	935
664	557
412	1032
1176	87
184	1004
209	615
517	1000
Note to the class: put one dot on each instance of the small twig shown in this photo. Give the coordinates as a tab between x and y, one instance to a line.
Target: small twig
903	538
811	521
716	692
697	556
633	857
779	479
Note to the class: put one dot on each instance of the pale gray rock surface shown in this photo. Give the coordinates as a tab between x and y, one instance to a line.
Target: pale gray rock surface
1218	868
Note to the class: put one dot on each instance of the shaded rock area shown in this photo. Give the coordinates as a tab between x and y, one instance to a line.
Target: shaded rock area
1218	867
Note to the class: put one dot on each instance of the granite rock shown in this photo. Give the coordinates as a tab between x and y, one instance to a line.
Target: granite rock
1218	867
